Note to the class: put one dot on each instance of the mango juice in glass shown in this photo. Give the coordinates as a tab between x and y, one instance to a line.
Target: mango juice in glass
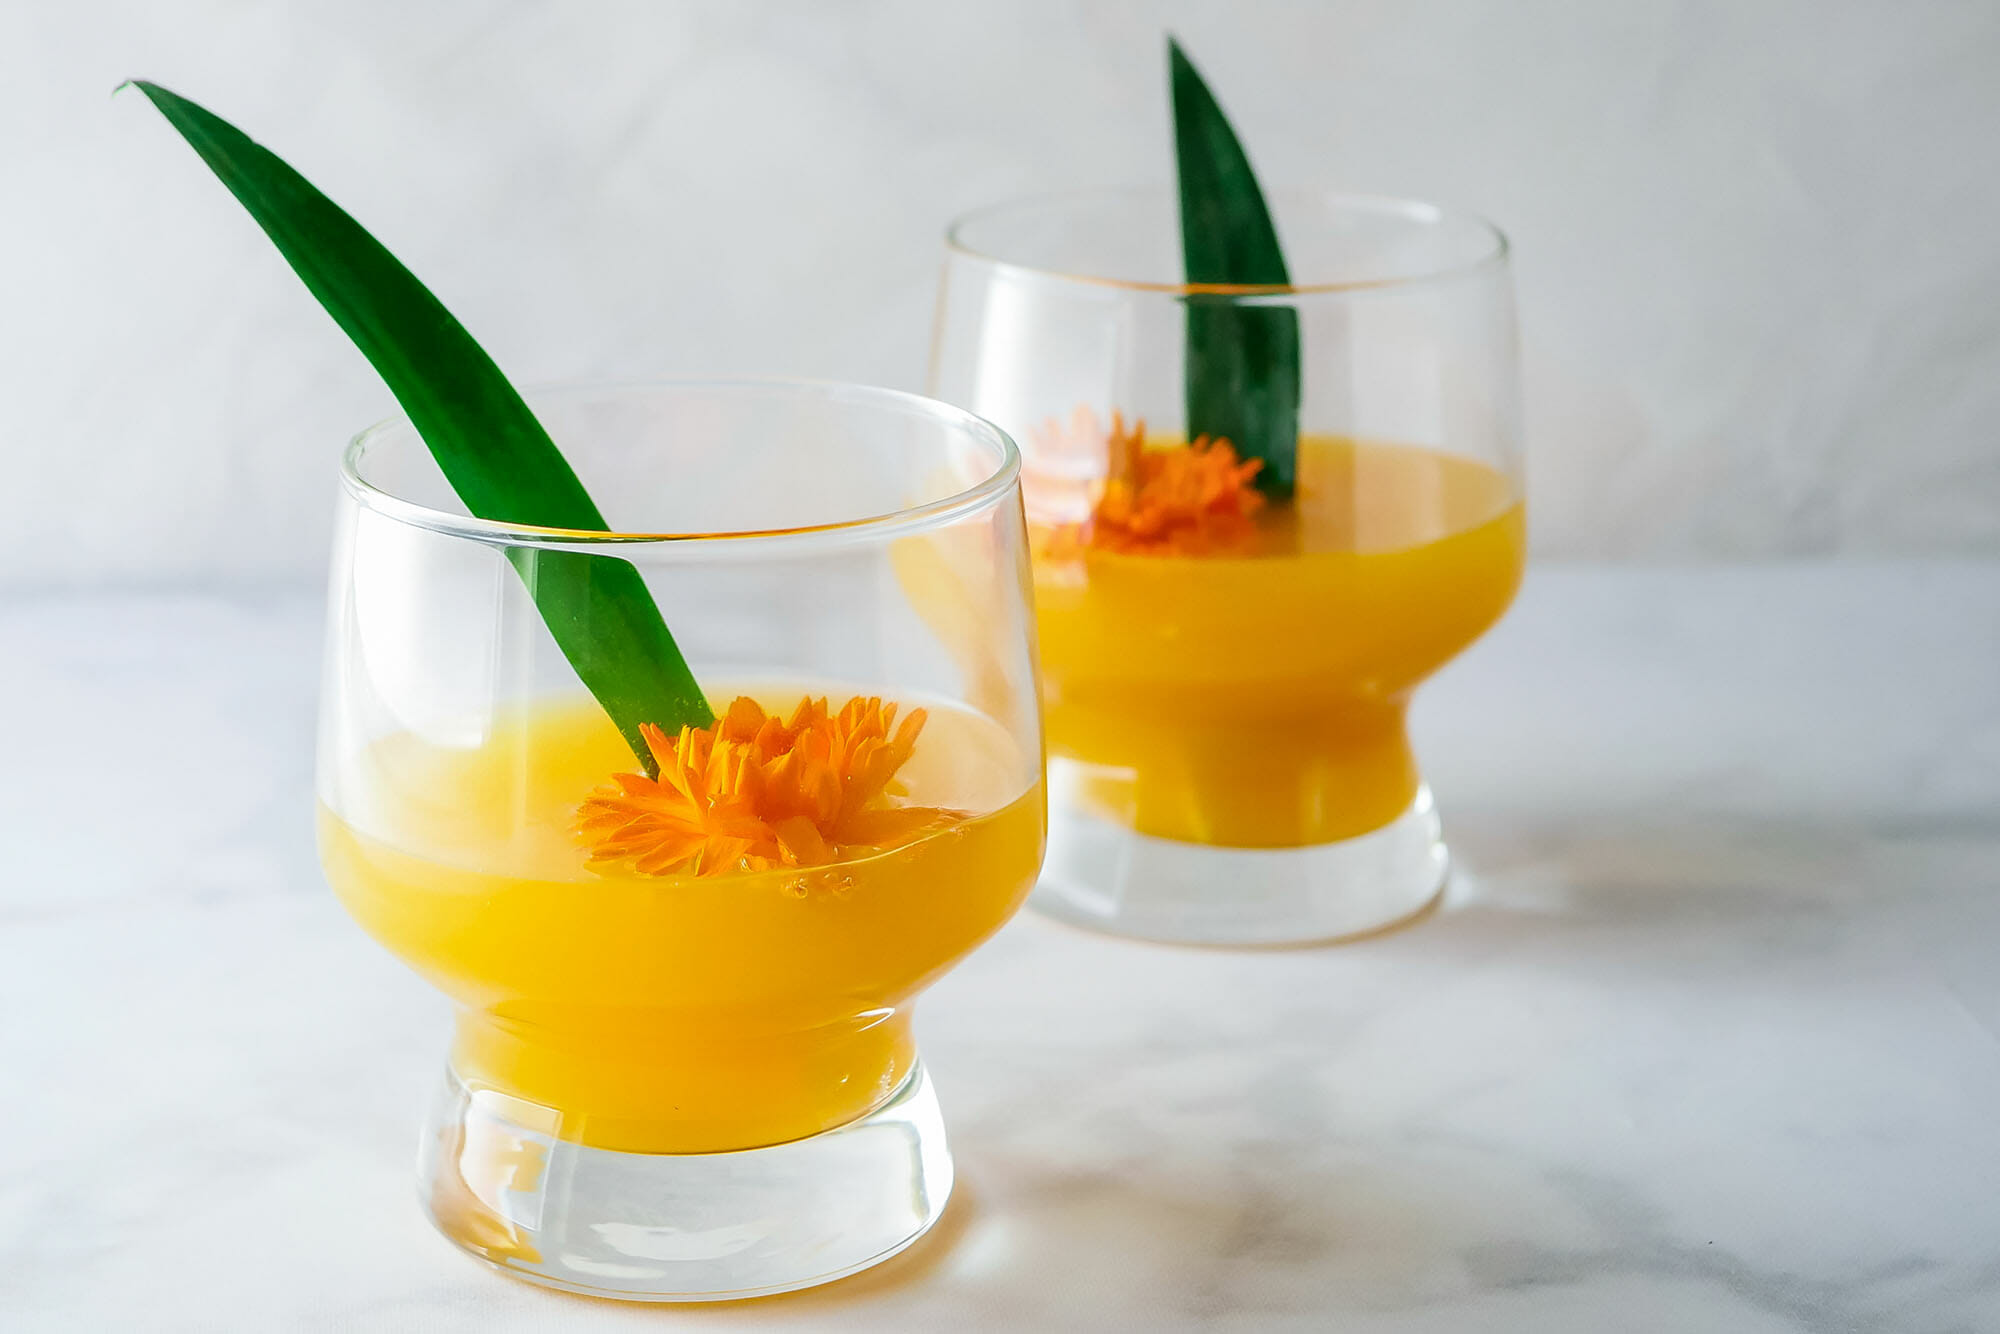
683	962
1226	672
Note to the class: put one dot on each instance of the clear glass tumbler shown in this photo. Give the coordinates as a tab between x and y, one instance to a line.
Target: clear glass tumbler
1226	674
683	1066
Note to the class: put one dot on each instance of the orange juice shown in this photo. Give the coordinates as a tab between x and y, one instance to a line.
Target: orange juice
1256	698
674	1013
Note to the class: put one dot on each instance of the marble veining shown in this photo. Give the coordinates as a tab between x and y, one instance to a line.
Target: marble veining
1707	1037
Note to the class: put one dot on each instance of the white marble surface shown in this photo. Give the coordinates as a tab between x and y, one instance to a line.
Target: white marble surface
1707	1039
1759	271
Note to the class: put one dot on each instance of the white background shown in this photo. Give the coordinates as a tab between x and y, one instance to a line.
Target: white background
1758	242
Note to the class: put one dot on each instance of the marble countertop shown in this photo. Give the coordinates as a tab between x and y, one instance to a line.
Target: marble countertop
1706	1038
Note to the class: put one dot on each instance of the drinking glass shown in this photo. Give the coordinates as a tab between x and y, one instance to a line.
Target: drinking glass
673	1079
1228	759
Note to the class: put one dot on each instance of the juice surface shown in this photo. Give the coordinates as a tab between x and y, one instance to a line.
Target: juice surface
672	1013
1257	699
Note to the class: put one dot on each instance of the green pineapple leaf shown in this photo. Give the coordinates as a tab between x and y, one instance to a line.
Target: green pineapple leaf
489	445
1242	379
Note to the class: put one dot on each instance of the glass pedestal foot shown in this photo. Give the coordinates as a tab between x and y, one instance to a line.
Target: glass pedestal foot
1102	875
498	1179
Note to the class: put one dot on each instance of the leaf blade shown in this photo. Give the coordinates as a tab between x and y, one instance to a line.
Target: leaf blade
1242	377
491	448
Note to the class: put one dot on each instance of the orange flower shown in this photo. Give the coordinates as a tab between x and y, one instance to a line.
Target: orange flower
750	792
1182	500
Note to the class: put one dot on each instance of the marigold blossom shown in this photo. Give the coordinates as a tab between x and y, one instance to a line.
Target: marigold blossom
751	792
1192	499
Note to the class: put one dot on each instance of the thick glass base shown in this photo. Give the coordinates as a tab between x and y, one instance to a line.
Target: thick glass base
1102	875
498	1180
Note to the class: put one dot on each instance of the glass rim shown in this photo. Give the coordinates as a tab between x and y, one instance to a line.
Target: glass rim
872	527
1494	255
